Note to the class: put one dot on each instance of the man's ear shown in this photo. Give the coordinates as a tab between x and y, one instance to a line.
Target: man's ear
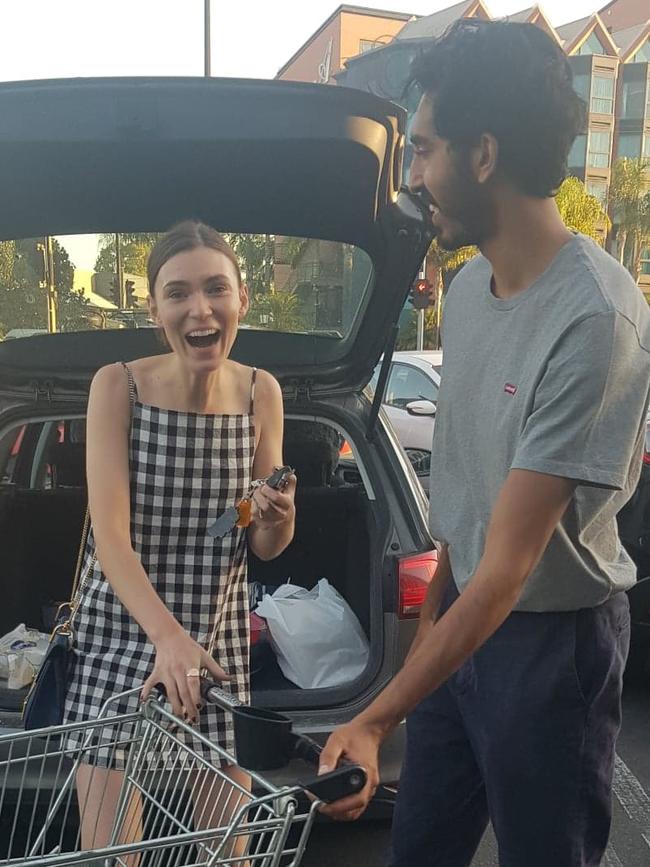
485	157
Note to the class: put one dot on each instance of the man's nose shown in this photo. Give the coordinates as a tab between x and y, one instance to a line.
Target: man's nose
415	179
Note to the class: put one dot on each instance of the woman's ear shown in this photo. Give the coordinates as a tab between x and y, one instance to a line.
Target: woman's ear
153	309
244	302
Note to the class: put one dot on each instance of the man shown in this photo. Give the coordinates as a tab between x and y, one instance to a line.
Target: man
512	687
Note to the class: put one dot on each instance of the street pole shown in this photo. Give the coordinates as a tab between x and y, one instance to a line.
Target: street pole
206	36
48	283
420	336
121	289
438	312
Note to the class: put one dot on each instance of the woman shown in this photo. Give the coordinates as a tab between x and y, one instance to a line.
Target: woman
173	441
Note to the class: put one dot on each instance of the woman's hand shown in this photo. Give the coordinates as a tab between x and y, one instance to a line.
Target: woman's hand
179	659
273	508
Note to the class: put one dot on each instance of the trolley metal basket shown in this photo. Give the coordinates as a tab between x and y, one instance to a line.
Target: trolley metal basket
168	794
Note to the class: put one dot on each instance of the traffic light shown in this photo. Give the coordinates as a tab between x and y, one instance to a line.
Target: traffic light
422	294
129	290
115	291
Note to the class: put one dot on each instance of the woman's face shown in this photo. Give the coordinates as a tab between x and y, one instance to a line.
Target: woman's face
198	302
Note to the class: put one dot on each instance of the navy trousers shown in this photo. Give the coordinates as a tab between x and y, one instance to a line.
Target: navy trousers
522	735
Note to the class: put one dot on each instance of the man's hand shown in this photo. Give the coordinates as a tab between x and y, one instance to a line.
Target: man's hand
357	742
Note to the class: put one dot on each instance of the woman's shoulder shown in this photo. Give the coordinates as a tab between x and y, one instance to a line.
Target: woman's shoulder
112	380
266	385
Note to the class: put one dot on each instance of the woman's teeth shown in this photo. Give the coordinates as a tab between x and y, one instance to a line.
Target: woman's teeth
202	337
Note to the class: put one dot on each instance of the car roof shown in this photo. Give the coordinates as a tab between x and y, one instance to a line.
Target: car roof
430	356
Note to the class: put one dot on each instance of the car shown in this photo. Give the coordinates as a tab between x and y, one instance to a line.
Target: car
313	172
409	400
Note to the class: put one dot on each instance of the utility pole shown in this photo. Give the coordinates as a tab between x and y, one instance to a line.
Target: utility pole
48	283
206	36
420	334
121	289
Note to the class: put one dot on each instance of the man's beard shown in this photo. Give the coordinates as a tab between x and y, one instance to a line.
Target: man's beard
468	213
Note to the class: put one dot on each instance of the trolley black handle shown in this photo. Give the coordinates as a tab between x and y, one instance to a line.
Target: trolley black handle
264	741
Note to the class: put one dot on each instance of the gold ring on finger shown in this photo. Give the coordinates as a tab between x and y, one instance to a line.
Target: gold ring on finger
193	672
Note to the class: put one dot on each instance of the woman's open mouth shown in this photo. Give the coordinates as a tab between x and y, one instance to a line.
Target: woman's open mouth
202	338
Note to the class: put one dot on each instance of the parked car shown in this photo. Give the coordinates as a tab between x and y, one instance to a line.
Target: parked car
409	400
288	160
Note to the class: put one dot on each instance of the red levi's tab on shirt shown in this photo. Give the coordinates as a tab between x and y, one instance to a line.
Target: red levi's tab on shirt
509	388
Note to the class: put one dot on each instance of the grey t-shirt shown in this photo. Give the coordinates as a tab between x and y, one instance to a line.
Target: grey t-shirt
555	380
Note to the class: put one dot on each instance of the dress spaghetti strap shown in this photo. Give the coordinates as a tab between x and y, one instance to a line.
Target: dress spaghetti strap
252	406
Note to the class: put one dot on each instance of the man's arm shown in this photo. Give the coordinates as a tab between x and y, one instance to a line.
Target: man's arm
527	510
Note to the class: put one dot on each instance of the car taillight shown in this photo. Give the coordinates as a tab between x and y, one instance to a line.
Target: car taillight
415	574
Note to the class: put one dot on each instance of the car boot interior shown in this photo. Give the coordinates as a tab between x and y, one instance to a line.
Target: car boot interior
44	518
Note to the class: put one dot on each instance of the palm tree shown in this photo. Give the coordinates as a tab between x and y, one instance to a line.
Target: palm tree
630	203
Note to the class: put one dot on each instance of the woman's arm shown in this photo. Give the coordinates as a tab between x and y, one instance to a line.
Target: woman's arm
107	470
273	512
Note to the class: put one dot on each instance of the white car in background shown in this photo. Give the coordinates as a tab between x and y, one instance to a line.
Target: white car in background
411	396
410	401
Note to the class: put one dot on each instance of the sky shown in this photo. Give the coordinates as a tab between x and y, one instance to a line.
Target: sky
249	39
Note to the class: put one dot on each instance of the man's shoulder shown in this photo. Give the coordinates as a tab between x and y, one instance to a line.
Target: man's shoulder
603	285
602	275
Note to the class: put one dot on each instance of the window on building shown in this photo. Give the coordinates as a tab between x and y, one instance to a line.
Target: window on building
599	149
643	54
578	152
633	99
592	45
629	145
598	188
602	94
368	45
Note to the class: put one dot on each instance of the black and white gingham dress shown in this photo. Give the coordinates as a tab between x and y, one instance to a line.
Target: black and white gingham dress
185	469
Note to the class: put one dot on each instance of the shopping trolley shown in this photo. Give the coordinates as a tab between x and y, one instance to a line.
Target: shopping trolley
164	770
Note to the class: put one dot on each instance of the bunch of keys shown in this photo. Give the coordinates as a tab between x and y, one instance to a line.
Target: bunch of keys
240	515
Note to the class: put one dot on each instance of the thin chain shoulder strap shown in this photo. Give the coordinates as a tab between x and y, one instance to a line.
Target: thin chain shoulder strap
78	583
133	389
251	409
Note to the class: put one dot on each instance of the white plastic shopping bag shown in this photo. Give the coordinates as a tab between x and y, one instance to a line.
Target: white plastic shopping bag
317	638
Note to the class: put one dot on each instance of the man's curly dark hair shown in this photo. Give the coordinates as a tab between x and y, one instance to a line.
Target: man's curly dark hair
513	81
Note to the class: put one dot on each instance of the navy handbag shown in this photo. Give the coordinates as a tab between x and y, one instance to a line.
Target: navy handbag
45	700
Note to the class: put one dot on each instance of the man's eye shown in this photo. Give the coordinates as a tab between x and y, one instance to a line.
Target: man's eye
217	289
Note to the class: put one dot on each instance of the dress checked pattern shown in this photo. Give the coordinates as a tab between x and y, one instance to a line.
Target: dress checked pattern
185	468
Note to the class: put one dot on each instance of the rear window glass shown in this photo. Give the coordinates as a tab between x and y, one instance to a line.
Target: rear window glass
99	281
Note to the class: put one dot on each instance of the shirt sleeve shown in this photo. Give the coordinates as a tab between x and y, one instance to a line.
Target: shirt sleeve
589	408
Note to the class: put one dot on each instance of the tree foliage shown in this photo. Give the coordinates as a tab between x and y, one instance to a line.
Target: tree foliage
277	311
23	300
580	211
134	251
630	201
